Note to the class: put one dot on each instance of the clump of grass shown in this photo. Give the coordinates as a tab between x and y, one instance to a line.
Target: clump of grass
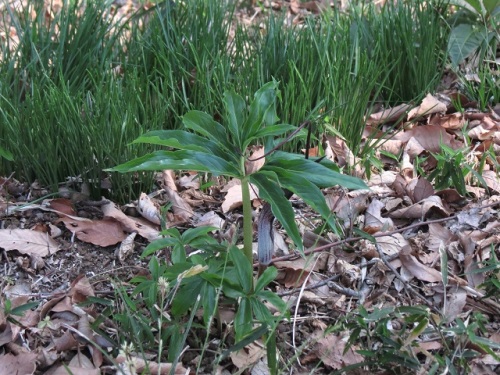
408	41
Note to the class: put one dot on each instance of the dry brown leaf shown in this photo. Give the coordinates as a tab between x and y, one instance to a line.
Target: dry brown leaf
131	224
149	209
453	121
105	232
28	242
152	367
256	160
24	363
374	222
330	350
233	198
428	138
190	181
417	269
428	106
492	180
419	189
454	304
81	289
392	244
182	210
168	177
126	248
388	115
62	205
422	209
248	356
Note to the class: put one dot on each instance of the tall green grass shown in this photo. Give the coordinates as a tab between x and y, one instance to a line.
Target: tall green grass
408	40
78	88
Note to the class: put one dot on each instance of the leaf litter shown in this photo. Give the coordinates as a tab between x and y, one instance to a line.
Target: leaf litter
61	253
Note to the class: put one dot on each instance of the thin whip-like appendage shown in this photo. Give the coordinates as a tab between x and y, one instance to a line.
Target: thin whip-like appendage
265	239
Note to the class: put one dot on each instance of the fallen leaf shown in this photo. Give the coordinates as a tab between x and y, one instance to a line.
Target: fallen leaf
256	160
131	224
105	232
388	115
148	209
23	363
331	350
417	269
428	106
126	248
28	242
233	197
422	209
247	356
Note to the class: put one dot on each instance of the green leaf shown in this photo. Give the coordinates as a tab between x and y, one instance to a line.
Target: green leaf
273	299
243	321
267	276
463	41
202	123
19	310
182	140
178	254
209	301
244	268
256	334
261	312
315	172
179	160
269	190
194	233
262	111
158	245
186	295
274	130
309	192
6	154
236	115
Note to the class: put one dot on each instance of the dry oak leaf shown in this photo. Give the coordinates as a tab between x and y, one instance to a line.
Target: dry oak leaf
429	138
27	241
233	197
256	160
330	350
149	209
105	232
428	106
131	224
388	115
422	209
24	363
417	269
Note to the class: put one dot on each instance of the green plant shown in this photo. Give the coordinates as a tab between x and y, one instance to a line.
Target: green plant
225	150
10	312
389	338
474	30
491	268
484	86
452	170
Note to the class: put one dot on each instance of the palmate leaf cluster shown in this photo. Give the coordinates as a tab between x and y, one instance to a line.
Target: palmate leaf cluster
221	149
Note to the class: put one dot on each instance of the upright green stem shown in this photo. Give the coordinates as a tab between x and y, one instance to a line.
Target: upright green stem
247	219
